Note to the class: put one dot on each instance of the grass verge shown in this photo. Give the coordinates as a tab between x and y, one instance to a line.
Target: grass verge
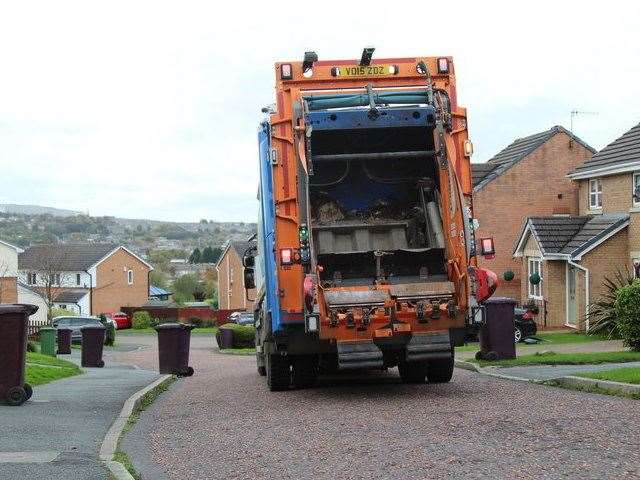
43	369
624	375
595	389
144	403
548	338
553	358
238	351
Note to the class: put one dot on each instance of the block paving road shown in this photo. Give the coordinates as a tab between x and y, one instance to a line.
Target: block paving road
222	423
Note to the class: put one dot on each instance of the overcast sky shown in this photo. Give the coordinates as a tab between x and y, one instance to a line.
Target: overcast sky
150	109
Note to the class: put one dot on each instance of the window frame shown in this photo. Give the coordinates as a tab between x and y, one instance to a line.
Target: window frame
78	279
635	181
596	194
130	277
534	291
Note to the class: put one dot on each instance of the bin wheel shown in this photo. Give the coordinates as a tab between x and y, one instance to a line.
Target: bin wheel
28	390
188	372
101	364
16	396
262	371
491	356
479	355
412	372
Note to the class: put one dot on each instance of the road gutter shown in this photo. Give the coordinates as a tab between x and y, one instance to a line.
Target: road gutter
112	438
575	382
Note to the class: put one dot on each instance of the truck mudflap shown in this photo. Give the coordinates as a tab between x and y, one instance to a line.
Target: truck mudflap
428	346
360	354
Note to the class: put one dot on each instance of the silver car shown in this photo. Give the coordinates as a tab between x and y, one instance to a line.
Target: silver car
75	324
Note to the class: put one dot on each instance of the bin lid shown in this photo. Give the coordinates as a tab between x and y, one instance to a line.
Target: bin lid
92	327
18	308
501	300
173	326
46	329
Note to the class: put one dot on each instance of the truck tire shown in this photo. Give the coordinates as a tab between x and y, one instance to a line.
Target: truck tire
305	371
278	372
262	370
412	372
440	371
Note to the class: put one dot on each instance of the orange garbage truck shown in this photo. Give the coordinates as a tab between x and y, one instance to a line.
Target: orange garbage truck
366	256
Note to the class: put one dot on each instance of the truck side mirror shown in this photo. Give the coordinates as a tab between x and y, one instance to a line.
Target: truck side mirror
249	278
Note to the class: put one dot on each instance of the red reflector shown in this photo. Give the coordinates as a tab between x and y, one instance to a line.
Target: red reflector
488	247
285	71
286	256
443	65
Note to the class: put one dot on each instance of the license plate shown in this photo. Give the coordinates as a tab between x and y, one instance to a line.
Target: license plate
368	71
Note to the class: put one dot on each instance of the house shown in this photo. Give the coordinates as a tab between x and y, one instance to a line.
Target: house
32	296
231	292
8	272
87	278
573	254
527	178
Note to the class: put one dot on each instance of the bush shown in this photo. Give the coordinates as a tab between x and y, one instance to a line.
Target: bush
244	336
627	307
141	320
32	346
602	316
197	322
110	333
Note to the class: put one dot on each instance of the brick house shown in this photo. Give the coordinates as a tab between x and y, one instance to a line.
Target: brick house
573	254
231	292
526	178
87	278
8	272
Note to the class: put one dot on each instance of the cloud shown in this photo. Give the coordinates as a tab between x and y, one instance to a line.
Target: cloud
150	109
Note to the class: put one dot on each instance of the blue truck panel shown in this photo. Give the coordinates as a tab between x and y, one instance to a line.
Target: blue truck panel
361	118
268	218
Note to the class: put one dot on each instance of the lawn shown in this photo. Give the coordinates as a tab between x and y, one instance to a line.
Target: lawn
43	369
553	358
149	331
238	351
624	375
548	338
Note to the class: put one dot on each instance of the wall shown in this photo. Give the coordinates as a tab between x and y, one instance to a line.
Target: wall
616	194
112	290
8	290
554	291
8	274
529	188
27	296
231	292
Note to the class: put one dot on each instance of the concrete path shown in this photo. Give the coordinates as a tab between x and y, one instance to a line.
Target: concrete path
549	372
57	434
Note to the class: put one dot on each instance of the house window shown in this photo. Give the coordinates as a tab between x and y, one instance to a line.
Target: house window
77	279
32	279
595	193
535	266
636	267
54	279
130	277
636	189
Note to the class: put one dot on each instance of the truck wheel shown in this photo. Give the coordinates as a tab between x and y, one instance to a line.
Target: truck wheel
412	372
440	371
262	370
305	371
278	372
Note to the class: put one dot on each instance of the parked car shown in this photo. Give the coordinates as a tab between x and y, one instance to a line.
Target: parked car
525	325
241	318
121	320
75	324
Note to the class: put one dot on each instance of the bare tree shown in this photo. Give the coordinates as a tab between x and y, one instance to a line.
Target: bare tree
48	269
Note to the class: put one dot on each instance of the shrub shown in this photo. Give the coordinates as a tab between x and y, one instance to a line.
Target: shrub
110	333
627	308
602	315
244	336
141	319
32	346
195	321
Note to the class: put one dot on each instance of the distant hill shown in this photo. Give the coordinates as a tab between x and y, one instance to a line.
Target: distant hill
12	208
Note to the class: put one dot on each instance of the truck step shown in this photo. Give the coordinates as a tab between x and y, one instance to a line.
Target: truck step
360	354
428	346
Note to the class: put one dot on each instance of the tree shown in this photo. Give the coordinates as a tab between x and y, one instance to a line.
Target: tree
196	256
47	268
185	287
159	278
207	255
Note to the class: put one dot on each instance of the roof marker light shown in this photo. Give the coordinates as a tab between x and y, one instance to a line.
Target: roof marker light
443	65
286	72
286	256
468	148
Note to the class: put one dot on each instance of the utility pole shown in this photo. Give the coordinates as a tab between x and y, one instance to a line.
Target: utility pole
575	113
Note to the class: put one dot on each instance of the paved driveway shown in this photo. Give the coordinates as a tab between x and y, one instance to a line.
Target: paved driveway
223	423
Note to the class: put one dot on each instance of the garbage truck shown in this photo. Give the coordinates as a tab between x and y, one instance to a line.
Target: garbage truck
366	254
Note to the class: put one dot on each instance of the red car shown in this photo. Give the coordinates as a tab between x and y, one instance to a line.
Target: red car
122	320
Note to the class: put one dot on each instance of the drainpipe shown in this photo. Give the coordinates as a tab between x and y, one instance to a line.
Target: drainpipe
90	292
586	290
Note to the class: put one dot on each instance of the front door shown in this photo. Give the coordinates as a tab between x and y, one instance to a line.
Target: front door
571	297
